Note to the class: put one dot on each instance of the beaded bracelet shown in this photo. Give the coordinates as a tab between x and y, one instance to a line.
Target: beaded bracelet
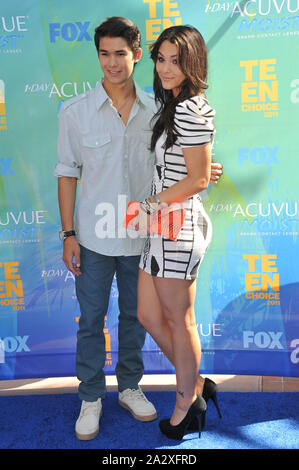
154	198
146	207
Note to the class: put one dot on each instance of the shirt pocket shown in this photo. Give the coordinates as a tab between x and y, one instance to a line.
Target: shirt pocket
96	147
144	155
145	140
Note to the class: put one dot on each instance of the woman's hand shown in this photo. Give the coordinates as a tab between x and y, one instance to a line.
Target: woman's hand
143	219
216	172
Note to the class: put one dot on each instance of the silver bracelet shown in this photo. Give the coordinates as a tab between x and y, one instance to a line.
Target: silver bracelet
146	207
154	198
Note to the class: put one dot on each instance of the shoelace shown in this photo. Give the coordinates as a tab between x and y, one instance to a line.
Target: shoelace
90	407
137	394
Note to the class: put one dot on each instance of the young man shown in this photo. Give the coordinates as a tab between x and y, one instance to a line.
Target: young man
104	140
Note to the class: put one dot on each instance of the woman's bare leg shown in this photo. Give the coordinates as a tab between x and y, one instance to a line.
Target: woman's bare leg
150	315
177	301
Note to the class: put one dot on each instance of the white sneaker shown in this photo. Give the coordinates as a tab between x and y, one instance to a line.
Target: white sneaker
136	402
87	425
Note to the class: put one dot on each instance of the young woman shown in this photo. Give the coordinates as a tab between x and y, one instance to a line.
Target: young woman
182	139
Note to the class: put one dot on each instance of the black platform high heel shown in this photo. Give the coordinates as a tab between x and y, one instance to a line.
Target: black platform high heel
209	391
177	432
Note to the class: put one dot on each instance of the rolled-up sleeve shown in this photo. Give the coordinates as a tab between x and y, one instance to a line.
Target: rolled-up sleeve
69	162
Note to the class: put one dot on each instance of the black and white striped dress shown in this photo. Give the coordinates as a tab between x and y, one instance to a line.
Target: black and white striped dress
194	125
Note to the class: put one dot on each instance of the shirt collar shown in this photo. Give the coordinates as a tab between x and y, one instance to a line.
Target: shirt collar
145	98
101	96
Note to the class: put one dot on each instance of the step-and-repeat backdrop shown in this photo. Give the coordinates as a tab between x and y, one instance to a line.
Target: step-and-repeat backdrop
247	301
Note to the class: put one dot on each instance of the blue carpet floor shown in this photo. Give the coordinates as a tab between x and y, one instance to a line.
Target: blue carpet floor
250	421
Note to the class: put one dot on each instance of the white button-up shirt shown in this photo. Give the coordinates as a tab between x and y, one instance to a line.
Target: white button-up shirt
113	163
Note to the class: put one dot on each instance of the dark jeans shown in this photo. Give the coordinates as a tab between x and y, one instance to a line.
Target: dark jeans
93	292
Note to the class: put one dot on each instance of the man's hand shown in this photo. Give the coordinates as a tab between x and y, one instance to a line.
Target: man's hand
71	250
216	172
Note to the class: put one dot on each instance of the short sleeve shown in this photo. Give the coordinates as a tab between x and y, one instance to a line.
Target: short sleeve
67	147
194	122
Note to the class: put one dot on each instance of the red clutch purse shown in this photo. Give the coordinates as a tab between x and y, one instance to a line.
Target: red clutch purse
166	222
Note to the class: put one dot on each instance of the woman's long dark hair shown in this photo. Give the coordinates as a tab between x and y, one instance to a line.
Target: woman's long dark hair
192	57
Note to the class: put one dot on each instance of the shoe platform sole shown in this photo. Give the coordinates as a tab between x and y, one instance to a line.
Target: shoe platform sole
88	437
138	417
